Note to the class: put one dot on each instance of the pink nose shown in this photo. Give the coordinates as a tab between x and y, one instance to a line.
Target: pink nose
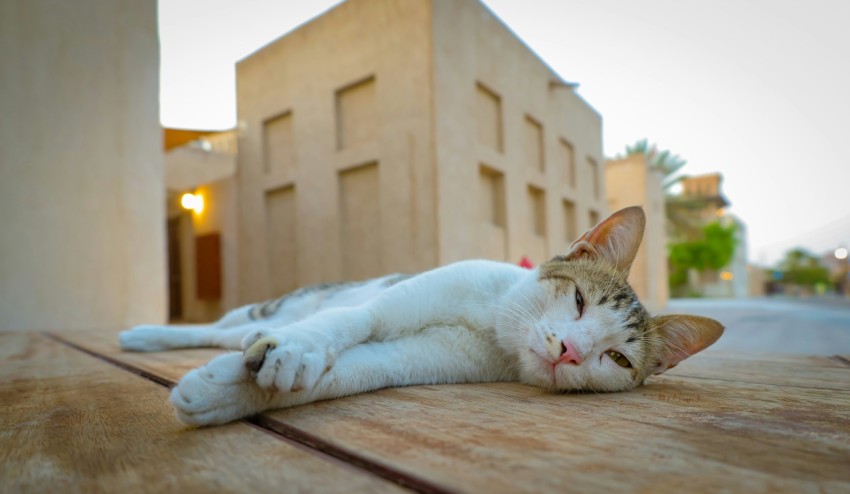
569	354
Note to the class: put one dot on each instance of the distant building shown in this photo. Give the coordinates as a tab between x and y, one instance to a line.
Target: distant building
398	136
631	182
201	243
701	202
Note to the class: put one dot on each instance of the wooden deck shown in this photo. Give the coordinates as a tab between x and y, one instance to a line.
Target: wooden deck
80	416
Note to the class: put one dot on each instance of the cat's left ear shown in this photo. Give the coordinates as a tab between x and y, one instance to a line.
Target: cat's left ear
683	336
615	239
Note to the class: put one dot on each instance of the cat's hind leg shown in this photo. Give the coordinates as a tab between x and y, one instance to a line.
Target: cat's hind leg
227	332
151	338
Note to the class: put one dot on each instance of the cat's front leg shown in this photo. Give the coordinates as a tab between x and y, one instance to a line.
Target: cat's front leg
279	367
293	358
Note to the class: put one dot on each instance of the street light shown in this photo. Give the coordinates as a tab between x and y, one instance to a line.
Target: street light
841	253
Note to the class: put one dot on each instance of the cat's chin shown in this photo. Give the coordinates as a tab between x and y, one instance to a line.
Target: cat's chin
539	372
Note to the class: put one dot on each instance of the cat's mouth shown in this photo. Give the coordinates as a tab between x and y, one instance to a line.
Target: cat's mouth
544	359
548	366
547	363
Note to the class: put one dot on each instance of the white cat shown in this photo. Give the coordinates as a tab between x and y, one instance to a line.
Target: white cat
574	323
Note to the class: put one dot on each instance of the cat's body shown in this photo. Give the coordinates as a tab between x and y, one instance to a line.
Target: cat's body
574	323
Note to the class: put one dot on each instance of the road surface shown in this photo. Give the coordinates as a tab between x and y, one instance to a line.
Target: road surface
814	326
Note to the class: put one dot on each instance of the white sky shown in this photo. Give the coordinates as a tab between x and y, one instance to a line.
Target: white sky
757	90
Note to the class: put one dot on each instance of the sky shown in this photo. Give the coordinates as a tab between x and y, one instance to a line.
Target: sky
758	90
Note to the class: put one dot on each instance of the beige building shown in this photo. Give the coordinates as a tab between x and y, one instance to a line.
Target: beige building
631	182
81	166
392	135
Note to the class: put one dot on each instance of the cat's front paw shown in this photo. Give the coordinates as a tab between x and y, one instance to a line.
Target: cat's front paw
219	392
285	362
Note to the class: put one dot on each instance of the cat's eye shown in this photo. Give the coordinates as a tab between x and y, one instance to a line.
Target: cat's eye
619	359
579	303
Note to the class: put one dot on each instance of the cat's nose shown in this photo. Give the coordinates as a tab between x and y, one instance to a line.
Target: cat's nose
569	355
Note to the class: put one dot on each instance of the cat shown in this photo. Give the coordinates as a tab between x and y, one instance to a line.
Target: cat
574	323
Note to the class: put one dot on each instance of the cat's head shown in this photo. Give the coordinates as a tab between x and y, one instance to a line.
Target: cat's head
579	325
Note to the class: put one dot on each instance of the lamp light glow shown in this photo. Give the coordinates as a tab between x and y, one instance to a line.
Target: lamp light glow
841	253
194	202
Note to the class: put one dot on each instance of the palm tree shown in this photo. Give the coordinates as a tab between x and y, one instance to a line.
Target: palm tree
663	161
682	223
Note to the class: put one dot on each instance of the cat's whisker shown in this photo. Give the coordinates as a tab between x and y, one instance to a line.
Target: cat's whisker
515	311
535	305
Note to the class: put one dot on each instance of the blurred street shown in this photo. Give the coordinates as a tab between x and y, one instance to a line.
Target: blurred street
815	326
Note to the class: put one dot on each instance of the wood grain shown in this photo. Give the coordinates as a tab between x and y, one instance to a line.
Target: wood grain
72	423
171	365
674	434
752	423
786	370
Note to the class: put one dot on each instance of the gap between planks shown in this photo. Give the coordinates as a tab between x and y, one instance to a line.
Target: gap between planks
285	432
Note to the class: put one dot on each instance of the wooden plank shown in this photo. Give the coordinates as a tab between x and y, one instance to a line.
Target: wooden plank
72	423
704	436
171	365
751	423
785	370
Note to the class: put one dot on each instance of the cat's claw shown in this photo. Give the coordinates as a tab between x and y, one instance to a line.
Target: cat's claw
285	363
255	354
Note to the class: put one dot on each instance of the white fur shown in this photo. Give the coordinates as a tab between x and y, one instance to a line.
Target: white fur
473	321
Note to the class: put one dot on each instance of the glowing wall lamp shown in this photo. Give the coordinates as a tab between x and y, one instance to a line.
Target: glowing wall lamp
195	202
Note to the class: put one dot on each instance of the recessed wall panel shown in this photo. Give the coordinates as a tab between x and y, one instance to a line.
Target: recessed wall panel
488	117
492	214
281	240
279	144
360	222
566	160
533	144
356	114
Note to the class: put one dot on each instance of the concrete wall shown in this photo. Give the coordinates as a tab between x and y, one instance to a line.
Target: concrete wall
335	122
630	182
81	177
505	119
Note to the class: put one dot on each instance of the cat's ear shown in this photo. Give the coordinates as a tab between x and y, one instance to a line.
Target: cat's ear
683	336
615	239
